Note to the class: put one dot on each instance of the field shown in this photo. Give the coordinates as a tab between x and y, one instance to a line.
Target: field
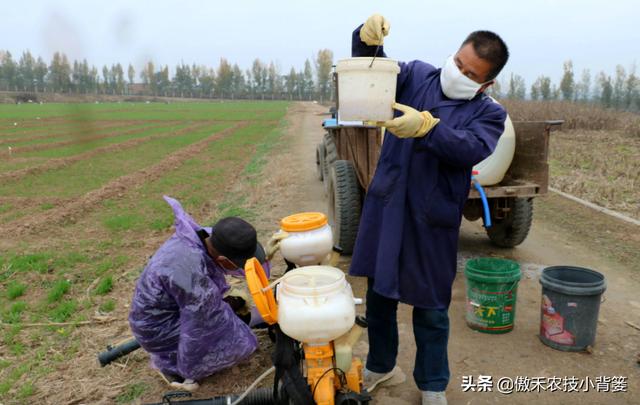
596	154
81	210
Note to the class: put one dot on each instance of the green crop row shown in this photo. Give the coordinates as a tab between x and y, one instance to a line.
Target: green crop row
86	175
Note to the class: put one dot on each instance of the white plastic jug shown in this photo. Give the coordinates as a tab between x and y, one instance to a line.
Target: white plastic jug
310	238
492	170
315	304
366	91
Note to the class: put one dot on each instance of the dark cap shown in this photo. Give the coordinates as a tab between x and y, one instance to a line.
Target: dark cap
237	240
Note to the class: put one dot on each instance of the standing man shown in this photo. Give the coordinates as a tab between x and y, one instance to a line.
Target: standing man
408	237
182	312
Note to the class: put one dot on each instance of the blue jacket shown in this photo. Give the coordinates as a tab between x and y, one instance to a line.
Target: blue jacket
408	235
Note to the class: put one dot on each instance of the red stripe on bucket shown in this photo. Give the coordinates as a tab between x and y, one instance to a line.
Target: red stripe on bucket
492	327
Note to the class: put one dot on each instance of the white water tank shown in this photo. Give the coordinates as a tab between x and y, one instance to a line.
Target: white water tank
310	238
492	170
315	304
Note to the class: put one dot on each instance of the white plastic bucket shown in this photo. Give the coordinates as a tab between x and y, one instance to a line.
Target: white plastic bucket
492	170
315	304
366	92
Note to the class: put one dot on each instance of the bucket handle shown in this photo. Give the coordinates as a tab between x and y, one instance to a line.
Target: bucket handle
515	283
374	56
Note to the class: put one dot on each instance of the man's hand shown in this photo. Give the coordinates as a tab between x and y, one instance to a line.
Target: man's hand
273	245
237	304
374	30
411	124
238	297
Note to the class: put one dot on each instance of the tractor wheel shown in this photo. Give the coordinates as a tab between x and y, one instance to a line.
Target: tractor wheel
513	229
345	203
320	151
330	156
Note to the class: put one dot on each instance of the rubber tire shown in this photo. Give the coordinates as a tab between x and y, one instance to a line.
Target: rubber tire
512	230
320	152
330	156
345	205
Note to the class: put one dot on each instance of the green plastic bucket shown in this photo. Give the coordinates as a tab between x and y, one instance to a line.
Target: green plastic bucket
492	285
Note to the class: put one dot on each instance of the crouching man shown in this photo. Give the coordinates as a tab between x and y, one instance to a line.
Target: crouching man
182	313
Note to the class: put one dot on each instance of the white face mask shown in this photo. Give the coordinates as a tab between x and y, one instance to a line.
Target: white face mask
454	84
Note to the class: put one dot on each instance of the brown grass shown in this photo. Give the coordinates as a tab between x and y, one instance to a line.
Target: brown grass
575	115
599	166
595	155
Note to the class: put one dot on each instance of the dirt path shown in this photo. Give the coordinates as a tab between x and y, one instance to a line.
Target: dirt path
294	187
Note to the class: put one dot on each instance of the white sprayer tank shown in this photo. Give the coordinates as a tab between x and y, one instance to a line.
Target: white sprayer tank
366	91
315	304
310	238
492	170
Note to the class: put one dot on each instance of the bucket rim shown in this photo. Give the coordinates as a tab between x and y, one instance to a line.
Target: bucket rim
514	273
512	263
337	282
546	270
572	287
363	64
367	58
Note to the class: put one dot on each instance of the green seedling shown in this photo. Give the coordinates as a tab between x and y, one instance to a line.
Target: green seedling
15	290
104	286
57	290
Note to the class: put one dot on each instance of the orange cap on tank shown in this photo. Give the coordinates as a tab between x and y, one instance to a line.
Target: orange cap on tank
304	221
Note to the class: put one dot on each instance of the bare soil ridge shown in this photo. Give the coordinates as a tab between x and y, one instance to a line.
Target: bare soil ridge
118	187
57	163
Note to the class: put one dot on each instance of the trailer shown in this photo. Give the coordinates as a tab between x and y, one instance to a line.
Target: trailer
346	161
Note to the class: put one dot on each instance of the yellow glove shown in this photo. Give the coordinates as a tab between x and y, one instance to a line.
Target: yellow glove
238	296
411	124
374	30
274	243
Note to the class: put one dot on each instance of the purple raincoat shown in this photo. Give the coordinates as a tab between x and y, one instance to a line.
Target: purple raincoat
177	313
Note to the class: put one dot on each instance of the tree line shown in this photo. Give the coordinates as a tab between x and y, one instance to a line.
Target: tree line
620	91
265	81
261	81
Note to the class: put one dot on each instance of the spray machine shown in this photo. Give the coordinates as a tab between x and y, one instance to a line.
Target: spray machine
313	311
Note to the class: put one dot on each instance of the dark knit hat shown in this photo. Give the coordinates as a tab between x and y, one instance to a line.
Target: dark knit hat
237	240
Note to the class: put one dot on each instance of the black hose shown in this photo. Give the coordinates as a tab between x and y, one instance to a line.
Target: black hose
260	396
113	353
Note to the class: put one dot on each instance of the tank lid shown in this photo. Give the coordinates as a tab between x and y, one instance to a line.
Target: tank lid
264	300
304	221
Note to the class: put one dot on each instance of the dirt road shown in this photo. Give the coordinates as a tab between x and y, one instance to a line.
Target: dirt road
293	186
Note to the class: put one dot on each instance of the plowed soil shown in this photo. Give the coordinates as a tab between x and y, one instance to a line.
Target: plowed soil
563	233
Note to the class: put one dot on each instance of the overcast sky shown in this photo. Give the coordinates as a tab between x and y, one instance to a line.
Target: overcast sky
541	34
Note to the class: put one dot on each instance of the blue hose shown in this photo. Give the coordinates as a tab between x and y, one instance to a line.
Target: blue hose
485	203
